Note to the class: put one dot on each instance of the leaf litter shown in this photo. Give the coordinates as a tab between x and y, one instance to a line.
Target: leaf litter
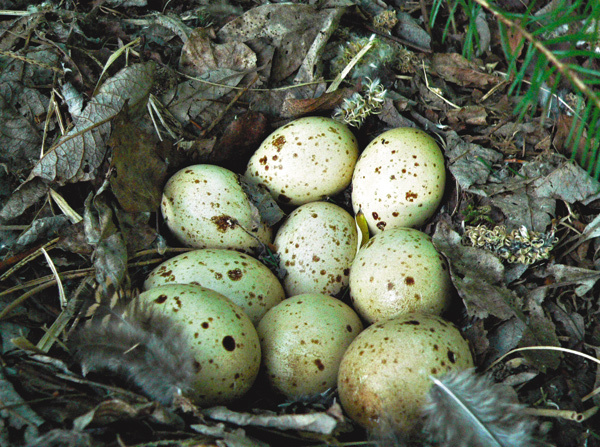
220	78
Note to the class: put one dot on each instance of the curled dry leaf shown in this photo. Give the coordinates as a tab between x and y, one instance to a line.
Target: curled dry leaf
139	166
239	141
322	423
455	68
78	154
200	55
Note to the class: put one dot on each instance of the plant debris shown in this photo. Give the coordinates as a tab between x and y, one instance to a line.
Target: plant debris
100	102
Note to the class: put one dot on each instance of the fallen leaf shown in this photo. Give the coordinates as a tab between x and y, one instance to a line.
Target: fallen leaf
190	98
78	154
292	107
43	228
469	163
572	323
568	182
261	198
478	276
568	275
523	209
456	69
19	137
239	141
408	29
200	55
101	232
139	167
321	423
23	197
515	40
226	436
474	115
114	410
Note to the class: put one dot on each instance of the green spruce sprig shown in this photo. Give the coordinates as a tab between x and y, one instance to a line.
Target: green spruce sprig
554	42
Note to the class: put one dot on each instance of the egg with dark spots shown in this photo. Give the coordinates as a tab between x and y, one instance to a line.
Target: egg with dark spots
399	179
316	246
246	281
305	160
205	206
303	339
221	337
384	285
384	375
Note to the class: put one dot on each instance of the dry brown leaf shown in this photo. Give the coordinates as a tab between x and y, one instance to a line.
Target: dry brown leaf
564	124
478	276
24	196
515	40
200	55
474	115
139	167
77	156
239	141
456	69
408	29
293	108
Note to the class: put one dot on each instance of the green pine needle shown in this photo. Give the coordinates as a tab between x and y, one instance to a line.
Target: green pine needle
544	59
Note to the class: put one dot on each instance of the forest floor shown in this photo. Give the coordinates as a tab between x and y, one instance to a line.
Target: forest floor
144	88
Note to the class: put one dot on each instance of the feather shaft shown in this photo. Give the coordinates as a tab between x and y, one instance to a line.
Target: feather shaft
141	345
465	409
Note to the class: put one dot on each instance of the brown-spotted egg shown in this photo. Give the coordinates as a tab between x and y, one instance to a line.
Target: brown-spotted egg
244	280
205	206
221	336
399	179
396	272
316	246
305	160
384	376
303	339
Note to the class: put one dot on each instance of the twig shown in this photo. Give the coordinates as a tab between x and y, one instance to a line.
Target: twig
569	415
562	68
31	61
28	258
231	103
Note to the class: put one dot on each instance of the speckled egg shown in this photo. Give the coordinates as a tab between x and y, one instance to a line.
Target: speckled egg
303	339
399	179
246	281
384	378
316	246
222	337
205	206
396	272
305	160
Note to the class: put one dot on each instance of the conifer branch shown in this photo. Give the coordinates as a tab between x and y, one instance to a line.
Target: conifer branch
563	69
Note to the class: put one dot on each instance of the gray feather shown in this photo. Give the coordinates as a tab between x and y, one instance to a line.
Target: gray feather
144	346
466	409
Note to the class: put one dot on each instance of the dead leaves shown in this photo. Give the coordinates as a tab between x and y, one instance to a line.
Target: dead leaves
78	155
246	72
479	278
458	70
139	167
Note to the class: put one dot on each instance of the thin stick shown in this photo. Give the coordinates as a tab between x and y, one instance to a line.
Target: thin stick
28	258
544	348
569	415
562	68
231	103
